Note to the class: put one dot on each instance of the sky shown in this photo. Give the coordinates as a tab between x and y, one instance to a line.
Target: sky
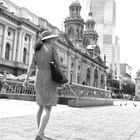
127	23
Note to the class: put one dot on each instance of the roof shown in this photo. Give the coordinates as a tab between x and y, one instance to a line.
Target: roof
75	3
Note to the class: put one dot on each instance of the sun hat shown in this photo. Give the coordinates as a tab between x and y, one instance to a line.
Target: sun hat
47	35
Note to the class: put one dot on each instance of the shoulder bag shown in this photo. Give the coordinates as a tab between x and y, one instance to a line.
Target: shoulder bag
57	74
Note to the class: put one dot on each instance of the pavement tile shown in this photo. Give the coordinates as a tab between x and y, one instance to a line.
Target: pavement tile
92	123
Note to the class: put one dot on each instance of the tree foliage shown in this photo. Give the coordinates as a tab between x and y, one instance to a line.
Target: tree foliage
128	88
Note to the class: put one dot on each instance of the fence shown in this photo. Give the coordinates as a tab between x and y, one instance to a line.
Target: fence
69	90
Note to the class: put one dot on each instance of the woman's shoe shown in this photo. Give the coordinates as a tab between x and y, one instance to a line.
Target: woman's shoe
38	137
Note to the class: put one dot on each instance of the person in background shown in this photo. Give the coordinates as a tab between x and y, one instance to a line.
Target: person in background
46	95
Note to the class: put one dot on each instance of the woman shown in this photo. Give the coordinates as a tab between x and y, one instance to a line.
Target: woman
46	95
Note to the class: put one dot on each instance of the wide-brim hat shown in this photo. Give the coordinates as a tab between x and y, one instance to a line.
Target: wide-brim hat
48	35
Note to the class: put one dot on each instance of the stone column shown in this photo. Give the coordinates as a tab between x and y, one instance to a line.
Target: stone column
30	50
19	45
69	64
4	41
105	79
15	46
22	47
76	67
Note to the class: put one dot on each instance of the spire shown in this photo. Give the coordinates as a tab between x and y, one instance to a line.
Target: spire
90	23
90	10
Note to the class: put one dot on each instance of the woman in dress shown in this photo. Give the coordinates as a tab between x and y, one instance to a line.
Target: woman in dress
46	95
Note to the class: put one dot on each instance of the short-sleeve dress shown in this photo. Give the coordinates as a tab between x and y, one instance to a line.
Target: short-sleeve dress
45	88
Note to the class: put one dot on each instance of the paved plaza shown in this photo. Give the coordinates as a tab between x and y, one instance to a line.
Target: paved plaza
118	122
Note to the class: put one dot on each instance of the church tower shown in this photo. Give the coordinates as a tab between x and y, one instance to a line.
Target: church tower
74	24
90	35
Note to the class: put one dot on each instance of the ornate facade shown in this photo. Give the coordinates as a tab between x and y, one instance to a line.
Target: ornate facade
18	28
81	56
78	50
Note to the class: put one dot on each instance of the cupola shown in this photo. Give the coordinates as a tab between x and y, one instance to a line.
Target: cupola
75	8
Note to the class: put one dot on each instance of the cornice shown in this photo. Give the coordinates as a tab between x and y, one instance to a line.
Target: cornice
74	19
29	24
10	16
18	21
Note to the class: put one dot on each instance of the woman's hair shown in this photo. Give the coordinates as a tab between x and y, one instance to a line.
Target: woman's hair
38	44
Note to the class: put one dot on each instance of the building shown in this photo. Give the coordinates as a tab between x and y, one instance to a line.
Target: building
85	63
125	71
18	28
104	13
78	49
116	58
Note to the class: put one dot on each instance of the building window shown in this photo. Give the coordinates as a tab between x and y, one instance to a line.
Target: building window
78	78
61	59
102	79
96	78
71	31
24	55
26	38
9	33
77	11
71	76
88	77
7	52
79	67
72	65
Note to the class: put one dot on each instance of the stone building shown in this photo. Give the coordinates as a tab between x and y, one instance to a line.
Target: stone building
77	47
18	28
79	51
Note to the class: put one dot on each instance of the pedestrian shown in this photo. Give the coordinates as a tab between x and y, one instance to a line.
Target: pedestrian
46	95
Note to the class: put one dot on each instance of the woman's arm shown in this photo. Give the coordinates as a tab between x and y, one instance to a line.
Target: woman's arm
29	74
31	68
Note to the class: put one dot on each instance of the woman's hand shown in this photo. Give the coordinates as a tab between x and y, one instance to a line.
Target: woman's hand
25	83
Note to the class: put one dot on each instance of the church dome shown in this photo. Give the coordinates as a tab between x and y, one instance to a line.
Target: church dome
90	19
75	3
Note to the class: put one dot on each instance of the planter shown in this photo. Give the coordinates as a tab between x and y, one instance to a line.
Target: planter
89	102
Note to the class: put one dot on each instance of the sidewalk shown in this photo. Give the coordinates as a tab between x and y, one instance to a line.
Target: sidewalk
118	122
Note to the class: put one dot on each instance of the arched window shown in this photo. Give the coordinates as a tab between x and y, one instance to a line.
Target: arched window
88	77
96	78
7	52
24	55
102	79
71	31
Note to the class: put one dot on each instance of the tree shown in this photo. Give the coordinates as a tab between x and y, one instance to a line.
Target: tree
113	84
128	88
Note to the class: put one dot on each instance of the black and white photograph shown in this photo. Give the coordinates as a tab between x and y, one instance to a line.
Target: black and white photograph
69	70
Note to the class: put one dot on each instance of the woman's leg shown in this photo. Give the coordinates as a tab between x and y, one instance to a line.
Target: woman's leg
44	120
39	113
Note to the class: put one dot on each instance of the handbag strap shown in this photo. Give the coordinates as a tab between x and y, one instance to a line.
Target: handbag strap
52	53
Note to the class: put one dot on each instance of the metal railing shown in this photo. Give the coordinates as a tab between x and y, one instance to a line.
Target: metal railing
83	91
68	90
